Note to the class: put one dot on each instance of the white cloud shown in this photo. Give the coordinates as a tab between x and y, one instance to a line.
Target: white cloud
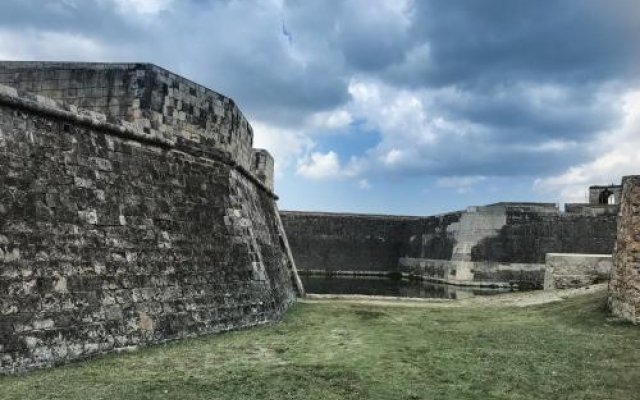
614	154
285	145
412	133
148	7
320	166
392	157
392	111
462	184
364	184
334	119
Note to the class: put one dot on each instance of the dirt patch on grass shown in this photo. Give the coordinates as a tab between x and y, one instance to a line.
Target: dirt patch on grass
515	299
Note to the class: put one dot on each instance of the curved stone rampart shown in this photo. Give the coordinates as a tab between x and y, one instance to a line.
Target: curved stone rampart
113	236
159	102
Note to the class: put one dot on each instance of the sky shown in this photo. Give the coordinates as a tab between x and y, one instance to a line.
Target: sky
387	106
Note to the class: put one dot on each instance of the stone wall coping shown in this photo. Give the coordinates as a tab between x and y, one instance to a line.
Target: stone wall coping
363	215
592	205
12	97
522	203
98	66
578	255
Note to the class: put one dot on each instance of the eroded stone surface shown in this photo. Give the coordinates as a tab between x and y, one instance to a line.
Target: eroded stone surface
502	243
109	242
624	287
566	270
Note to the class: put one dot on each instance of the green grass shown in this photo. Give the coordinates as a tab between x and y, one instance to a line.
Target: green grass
567	350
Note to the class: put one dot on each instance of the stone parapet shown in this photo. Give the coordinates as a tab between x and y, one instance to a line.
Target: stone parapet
157	101
262	166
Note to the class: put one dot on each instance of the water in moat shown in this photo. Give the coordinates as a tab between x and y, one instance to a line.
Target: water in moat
382	286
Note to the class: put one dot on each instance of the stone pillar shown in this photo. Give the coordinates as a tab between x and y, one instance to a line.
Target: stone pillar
624	287
262	166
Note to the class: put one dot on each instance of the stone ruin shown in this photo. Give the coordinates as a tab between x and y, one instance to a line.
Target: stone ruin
133	210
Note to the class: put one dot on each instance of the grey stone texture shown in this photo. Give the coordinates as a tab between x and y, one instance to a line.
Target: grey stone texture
262	166
610	194
501	244
593	210
529	234
624	286
565	270
113	237
161	103
361	242
522	276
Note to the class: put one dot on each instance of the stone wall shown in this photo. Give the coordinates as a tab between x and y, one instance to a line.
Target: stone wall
563	271
522	276
159	102
262	166
483	245
624	287
528	235
605	194
359	242
112	238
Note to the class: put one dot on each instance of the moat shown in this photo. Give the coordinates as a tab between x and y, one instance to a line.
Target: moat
382	286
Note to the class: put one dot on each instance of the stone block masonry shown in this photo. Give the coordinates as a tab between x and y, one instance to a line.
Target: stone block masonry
502	244
334	242
564	271
624	286
114	236
160	103
262	166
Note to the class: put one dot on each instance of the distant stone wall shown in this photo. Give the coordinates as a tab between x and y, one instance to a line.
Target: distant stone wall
624	287
112	238
483	245
564	271
605	194
524	276
358	242
528	235
592	210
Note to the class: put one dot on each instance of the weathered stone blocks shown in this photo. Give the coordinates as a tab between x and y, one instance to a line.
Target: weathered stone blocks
566	270
112	238
624	287
498	244
262	166
151	98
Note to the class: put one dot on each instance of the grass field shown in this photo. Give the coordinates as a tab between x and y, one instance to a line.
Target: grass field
331	350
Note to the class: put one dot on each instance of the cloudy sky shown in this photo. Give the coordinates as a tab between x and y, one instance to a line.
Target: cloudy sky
388	106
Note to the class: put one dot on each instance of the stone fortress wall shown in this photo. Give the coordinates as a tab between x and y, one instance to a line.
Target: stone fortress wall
129	214
624	286
158	102
501	244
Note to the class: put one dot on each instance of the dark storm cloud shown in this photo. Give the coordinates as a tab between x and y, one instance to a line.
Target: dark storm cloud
88	17
533	112
480	42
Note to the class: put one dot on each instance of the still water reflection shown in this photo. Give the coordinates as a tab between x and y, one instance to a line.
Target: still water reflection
380	286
